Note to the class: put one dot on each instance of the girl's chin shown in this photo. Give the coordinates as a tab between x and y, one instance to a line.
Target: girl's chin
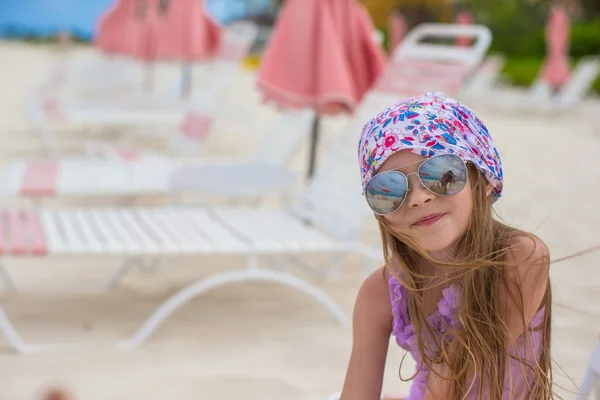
438	245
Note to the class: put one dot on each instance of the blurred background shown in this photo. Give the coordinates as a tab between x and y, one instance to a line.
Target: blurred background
518	26
181	207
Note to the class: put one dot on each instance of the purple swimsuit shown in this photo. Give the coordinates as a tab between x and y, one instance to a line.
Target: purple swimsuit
406	338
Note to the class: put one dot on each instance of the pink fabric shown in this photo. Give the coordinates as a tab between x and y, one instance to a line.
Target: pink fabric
185	32
141	41
464	18
413	77
4	231
17	233
53	110
37	244
321	55
40	179
556	69
397	29
196	126
21	233
113	27
126	154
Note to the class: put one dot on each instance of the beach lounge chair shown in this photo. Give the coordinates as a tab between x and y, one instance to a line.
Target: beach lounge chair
327	219
539	97
485	77
585	74
135	174
427	60
48	109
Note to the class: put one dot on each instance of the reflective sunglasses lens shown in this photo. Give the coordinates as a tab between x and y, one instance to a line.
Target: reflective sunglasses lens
385	192
444	175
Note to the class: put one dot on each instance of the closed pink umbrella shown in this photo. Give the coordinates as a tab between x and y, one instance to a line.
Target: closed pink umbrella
143	29
397	29
556	69
141	39
187	33
464	18
112	29
321	54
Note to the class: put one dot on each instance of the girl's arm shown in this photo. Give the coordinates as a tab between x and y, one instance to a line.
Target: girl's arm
372	326
530	274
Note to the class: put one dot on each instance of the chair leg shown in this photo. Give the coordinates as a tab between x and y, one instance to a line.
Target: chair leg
121	271
15	341
12	336
322	273
250	274
6	279
149	266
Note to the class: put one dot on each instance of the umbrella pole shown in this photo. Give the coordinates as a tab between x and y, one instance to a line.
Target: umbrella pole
314	138
186	80
150	76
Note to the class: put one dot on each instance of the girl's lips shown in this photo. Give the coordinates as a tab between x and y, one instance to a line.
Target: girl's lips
429	220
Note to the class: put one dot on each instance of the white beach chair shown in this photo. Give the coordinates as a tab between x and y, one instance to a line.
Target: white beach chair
591	379
485	78
91	75
539	97
577	87
419	65
125	174
326	220
48	109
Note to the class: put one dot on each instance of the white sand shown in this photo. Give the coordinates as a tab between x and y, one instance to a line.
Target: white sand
262	341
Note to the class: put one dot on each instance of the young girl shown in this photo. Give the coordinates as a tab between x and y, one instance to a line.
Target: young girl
466	295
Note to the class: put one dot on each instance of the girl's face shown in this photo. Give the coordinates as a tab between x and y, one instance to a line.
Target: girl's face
435	222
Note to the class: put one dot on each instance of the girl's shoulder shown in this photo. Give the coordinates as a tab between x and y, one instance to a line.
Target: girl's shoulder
528	271
374	294
376	285
525	250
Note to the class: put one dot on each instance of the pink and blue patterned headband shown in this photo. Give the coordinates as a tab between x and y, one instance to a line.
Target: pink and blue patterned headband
429	125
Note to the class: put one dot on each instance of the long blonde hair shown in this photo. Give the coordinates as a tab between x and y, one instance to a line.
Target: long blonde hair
479	346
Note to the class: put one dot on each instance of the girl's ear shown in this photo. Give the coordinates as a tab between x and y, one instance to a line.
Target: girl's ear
488	189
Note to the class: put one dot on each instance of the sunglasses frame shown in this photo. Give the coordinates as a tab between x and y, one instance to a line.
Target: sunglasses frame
408	187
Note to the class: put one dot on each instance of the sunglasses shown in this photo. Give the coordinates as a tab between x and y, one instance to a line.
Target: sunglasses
444	175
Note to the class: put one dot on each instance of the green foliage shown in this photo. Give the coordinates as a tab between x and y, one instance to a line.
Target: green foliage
517	25
585	38
522	71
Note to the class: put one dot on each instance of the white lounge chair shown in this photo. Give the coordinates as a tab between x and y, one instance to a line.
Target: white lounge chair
91	75
584	75
326	220
485	78
418	66
140	174
48	108
539	97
